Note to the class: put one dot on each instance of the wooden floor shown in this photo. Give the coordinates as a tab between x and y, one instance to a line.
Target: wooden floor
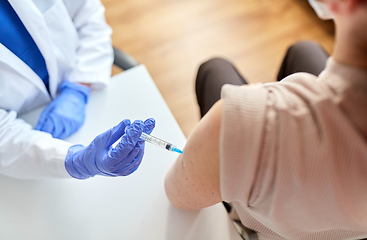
173	37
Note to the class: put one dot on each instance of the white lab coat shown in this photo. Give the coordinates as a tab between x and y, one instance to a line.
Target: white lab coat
75	42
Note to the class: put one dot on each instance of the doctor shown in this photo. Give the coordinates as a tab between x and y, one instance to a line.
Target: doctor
53	52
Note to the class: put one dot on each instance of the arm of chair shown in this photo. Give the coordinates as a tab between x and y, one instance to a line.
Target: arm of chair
124	60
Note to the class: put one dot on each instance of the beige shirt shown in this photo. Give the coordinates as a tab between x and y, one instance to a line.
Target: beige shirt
294	154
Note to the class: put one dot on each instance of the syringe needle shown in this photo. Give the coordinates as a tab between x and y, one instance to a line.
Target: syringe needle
160	143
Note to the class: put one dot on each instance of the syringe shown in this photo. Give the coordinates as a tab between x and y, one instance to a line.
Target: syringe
160	143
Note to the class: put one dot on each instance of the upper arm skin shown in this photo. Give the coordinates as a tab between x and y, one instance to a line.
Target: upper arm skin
193	181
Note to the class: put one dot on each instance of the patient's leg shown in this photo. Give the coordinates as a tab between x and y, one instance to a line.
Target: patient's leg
212	75
305	56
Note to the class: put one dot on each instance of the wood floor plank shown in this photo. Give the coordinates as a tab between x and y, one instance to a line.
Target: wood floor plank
172	38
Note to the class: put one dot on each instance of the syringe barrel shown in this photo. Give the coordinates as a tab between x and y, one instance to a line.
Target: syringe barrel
156	141
160	143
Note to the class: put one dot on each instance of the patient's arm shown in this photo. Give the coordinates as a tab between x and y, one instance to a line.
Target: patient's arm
193	181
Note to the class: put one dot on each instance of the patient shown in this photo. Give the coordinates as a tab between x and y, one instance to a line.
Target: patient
290	156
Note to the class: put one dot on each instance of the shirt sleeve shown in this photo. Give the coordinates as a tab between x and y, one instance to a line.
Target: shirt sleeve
240	139
95	52
29	154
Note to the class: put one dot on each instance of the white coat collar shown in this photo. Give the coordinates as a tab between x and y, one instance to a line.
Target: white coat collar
35	24
9	58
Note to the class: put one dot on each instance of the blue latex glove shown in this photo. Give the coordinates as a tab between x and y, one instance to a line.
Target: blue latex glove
66	113
100	158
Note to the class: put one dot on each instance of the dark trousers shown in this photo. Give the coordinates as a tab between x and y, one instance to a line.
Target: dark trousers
212	75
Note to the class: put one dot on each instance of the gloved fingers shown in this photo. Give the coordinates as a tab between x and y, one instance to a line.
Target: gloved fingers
64	135
44	116
66	128
124	169
106	139
136	164
119	130
127	143
40	124
103	143
48	126
123	165
149	125
58	125
131	169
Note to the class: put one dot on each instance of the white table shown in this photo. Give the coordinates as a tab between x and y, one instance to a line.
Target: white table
133	207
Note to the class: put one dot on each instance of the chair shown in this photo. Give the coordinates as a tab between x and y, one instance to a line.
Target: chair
123	60
245	233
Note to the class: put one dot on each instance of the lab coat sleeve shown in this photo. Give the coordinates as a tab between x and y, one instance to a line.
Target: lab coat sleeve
95	52
29	154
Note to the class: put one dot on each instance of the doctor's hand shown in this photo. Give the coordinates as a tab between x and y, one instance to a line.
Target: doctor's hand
100	158
66	113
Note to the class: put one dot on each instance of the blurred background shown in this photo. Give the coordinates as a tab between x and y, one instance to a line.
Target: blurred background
173	37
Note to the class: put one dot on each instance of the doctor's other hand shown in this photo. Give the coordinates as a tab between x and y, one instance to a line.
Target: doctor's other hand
66	113
100	158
